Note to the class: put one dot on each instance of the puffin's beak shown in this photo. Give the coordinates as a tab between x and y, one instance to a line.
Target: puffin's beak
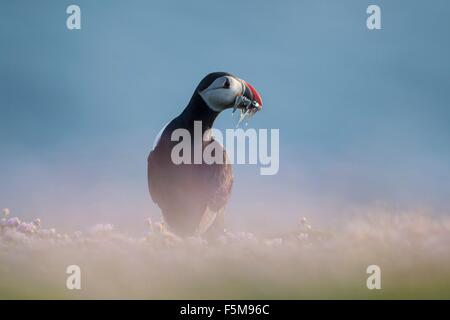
249	102
250	93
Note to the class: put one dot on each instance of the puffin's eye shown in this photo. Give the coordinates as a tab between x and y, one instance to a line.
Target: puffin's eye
227	84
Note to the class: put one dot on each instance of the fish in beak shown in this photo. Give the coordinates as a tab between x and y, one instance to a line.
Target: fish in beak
249	102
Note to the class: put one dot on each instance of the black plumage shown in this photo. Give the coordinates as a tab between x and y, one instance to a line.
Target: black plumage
192	197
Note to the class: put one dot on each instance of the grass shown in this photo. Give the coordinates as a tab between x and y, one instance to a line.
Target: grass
302	263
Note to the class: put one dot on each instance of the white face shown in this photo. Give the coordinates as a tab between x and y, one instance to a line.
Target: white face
222	93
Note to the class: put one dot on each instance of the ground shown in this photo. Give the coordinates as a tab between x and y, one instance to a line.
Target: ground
303	263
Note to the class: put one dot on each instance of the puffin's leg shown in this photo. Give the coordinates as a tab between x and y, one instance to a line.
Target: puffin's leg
217	228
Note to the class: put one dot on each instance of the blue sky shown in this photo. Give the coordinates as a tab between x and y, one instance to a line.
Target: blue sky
363	115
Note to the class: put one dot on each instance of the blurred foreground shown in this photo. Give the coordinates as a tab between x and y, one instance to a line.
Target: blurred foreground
305	262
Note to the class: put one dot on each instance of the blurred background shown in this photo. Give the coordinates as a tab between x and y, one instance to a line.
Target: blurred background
363	115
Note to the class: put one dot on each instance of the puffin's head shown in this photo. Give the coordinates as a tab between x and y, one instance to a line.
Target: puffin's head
221	90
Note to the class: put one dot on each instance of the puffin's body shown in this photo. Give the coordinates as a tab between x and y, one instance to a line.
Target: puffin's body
192	197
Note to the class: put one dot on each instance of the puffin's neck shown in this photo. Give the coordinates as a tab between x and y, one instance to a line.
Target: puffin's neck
197	110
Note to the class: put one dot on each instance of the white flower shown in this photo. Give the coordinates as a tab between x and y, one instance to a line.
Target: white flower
5	212
13	222
27	228
37	222
102	229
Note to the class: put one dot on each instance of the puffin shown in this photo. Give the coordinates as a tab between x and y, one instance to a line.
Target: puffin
192	196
